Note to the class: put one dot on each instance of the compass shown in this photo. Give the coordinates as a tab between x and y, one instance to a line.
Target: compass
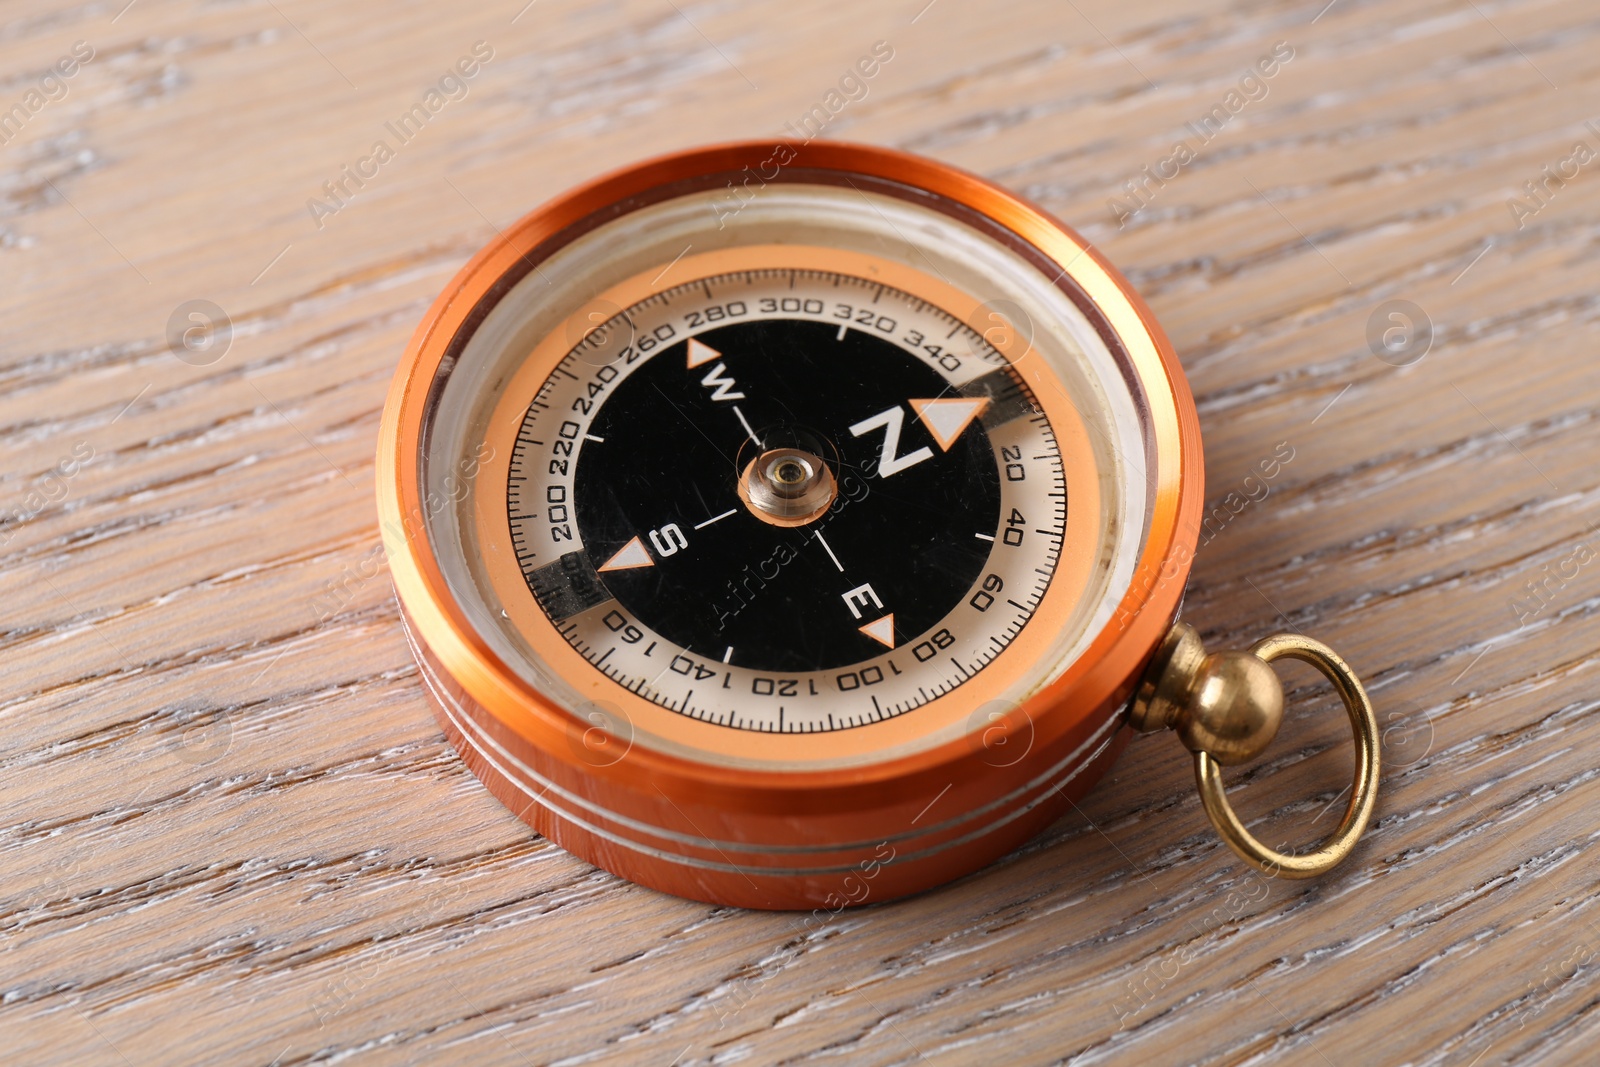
796	526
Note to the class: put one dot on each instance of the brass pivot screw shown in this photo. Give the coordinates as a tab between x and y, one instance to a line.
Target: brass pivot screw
787	487
1226	708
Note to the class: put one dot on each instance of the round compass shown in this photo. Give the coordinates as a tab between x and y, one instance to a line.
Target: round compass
802	525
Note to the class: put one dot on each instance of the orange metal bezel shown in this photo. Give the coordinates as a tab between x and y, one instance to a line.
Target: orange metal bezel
652	801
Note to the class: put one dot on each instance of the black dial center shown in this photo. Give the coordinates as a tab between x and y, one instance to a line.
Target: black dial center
902	537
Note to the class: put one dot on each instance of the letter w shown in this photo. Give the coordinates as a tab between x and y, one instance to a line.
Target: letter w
721	388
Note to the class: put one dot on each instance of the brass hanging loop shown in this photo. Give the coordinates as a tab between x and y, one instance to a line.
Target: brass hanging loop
1226	708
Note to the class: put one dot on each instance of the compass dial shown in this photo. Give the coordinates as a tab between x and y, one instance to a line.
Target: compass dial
651	473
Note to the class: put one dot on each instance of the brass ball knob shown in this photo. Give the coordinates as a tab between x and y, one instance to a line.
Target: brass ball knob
1227	707
1234	709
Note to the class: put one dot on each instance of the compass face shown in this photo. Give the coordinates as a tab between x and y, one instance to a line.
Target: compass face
646	500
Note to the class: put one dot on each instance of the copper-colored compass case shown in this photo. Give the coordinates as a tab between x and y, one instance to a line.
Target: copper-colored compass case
735	830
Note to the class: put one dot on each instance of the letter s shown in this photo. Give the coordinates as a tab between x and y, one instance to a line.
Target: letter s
669	539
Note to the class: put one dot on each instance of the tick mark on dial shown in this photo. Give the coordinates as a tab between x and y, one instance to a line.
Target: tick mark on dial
842	331
592	437
746	424
826	548
984	536
725	514
727	656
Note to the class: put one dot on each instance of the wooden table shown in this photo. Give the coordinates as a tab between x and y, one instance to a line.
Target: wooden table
231	830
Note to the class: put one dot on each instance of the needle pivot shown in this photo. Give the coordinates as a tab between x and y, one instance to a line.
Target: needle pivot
787	487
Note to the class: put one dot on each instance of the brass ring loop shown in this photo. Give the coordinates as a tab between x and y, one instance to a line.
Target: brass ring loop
1363	722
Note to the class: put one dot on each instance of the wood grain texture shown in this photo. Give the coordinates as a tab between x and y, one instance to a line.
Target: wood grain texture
230	831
